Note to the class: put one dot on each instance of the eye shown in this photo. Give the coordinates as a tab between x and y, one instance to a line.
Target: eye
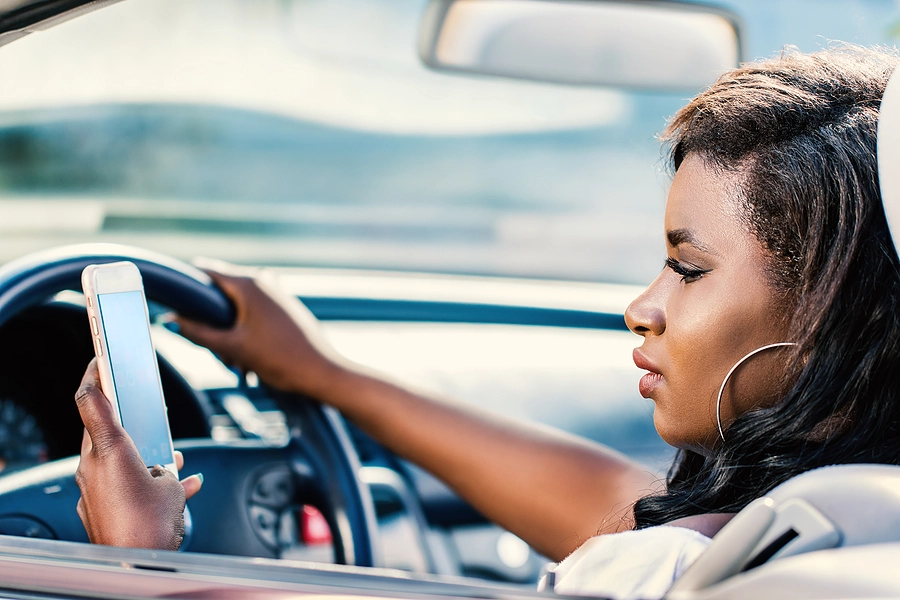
688	274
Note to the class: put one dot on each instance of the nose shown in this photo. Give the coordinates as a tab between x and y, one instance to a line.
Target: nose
646	314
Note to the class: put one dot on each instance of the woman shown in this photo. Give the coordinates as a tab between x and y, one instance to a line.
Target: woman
769	341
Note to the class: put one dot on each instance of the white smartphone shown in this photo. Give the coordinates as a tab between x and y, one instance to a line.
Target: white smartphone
129	373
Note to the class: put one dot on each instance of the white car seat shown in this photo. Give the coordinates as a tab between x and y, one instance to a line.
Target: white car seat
833	507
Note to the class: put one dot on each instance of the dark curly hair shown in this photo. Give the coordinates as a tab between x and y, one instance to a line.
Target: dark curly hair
799	131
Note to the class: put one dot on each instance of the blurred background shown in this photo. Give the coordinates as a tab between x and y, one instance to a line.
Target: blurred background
308	132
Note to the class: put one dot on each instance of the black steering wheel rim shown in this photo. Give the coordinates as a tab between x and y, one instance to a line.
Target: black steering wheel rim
36	278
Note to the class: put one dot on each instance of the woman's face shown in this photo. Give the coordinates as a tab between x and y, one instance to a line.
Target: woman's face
709	307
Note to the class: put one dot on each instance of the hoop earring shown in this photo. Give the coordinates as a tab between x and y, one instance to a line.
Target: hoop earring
731	372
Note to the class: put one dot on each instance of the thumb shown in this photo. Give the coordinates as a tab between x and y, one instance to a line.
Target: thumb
96	410
192	485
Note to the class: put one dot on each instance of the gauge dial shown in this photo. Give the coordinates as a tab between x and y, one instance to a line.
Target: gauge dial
21	439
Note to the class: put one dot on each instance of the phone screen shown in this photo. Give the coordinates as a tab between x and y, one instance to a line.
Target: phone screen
134	375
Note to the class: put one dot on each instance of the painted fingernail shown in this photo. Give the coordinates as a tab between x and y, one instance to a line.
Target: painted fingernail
200	477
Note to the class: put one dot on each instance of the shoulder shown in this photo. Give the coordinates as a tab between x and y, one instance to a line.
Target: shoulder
630	564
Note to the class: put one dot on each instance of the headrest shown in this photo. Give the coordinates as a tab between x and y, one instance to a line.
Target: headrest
889	155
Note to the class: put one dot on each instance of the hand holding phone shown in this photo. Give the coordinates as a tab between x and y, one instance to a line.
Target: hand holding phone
129	373
123	503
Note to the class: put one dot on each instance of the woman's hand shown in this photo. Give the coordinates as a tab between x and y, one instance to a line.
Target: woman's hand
123	503
274	335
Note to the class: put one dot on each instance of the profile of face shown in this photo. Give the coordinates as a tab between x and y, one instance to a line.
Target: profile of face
711	305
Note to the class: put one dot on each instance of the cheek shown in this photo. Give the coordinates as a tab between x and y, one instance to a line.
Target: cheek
707	333
685	414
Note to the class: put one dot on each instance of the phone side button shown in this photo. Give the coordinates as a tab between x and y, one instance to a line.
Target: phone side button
94	326
98	347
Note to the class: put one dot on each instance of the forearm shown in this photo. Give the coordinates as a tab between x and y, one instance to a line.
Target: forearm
551	489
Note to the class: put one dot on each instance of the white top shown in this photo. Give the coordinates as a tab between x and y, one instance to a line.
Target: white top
629	565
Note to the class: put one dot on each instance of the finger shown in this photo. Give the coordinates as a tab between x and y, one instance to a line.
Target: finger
192	485
96	410
179	460
217	340
234	287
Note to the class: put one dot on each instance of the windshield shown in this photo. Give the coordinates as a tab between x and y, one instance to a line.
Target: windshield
307	132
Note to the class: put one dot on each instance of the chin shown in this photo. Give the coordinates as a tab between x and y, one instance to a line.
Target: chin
665	430
680	437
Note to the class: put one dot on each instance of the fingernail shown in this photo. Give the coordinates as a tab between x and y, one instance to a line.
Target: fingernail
200	477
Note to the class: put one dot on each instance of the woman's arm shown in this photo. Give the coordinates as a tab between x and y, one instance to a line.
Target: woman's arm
551	489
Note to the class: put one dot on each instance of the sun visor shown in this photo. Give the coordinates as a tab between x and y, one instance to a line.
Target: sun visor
889	155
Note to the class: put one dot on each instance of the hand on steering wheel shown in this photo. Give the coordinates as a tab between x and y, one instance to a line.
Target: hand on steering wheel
123	503
274	335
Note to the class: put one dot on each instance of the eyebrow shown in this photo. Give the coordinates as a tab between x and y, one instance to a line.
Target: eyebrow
686	236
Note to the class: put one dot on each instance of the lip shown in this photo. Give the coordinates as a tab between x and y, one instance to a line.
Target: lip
644	363
651	380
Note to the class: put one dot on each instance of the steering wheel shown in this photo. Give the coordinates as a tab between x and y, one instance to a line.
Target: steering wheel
250	485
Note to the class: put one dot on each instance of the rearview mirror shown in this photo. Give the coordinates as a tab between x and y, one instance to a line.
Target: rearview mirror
646	45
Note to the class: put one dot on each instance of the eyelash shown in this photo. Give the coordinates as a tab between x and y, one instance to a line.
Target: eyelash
687	275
